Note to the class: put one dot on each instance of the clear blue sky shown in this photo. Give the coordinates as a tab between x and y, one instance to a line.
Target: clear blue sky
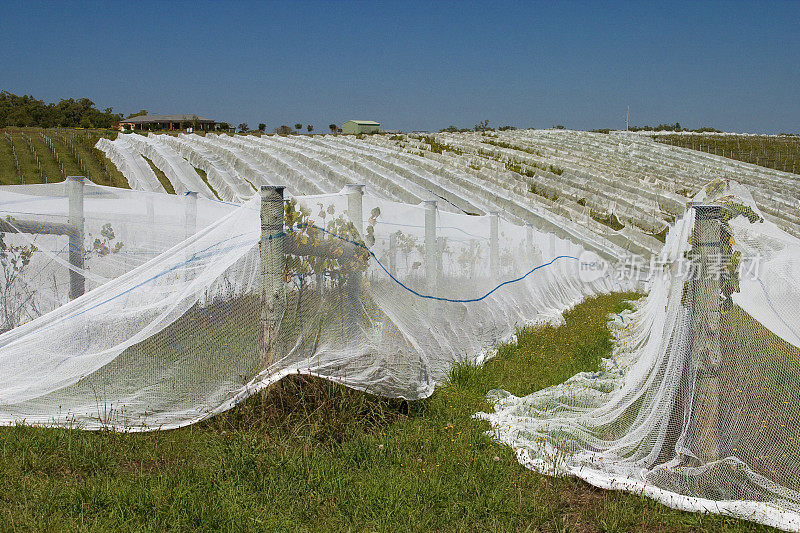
416	65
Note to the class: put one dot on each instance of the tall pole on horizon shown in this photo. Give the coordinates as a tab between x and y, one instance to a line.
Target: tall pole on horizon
627	116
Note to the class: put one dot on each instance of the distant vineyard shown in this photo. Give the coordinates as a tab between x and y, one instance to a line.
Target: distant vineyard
779	152
617	191
613	193
47	155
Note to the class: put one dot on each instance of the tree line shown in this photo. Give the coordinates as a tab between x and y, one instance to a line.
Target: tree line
27	111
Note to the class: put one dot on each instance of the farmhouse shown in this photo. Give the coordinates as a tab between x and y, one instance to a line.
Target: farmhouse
168	122
361	126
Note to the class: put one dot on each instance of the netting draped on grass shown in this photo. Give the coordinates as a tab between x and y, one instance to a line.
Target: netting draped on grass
704	431
192	305
171	328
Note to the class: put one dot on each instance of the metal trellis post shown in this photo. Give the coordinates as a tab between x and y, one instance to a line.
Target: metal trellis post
77	282
706	352
272	276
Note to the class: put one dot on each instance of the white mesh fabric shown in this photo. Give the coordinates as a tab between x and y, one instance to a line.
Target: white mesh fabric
123	229
176	338
632	426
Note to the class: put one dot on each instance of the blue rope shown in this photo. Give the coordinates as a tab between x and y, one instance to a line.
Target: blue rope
427	296
204	253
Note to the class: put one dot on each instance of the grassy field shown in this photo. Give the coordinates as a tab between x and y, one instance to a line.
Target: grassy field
39	155
780	153
319	457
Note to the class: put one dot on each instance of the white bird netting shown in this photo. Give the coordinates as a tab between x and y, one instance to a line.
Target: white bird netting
702	430
169	331
179	323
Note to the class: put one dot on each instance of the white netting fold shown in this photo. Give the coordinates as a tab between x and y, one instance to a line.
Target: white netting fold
647	420
169	330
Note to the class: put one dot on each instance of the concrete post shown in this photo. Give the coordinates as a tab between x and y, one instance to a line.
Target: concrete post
430	247
494	244
355	203
534	254
441	242
706	353
272	275
77	283
393	254
355	212
151	218
190	228
190	213
529	237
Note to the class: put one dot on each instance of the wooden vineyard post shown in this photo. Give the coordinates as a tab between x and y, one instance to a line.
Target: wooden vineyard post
393	254
494	245
706	351
355	212
272	276
77	283
431	246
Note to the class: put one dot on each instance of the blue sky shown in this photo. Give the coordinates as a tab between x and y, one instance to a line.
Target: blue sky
416	65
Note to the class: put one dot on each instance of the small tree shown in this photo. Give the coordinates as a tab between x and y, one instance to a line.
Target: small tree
298	126
262	127
482	126
243	127
333	128
310	128
284	130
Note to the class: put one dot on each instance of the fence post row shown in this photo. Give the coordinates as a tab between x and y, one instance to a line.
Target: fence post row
431	246
706	351
77	282
272	276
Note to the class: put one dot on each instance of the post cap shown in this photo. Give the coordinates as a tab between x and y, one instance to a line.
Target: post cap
354	187
706	211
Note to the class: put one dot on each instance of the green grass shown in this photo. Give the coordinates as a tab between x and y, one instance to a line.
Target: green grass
85	160
161	176
204	177
319	457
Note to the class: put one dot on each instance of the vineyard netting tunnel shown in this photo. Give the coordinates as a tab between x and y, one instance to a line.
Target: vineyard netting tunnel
136	310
